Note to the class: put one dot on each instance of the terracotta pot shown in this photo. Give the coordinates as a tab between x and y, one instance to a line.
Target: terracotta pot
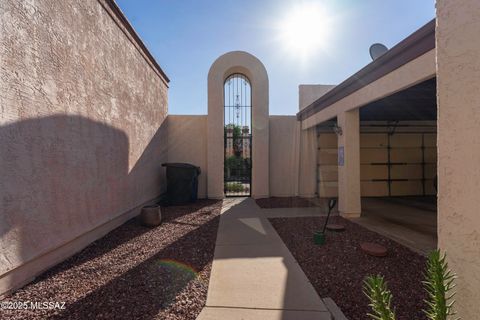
151	216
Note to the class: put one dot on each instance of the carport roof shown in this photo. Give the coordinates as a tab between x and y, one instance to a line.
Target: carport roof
418	102
415	45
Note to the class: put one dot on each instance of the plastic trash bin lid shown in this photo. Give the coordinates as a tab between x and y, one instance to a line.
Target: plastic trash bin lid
181	165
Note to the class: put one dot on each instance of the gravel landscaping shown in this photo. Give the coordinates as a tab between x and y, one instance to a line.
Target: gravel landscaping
285	202
338	268
134	272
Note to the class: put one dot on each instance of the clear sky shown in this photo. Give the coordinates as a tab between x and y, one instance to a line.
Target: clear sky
186	36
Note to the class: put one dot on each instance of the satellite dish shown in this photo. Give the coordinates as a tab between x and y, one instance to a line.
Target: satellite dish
377	50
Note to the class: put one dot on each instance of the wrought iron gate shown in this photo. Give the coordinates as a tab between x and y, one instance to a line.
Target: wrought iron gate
237	136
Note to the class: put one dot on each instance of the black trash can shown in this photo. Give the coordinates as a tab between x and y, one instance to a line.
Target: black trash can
182	183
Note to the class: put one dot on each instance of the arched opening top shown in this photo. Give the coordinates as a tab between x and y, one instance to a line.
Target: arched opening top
238	83
237	91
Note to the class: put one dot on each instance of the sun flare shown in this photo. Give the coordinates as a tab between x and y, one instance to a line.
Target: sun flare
304	29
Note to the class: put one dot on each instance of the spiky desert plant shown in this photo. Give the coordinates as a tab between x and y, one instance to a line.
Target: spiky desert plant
380	297
439	285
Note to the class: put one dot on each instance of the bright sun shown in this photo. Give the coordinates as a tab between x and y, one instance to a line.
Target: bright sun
304	28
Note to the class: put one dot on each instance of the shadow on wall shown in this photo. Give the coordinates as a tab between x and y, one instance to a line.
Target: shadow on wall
63	176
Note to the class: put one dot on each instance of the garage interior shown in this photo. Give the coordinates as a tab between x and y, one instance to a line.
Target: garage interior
398	156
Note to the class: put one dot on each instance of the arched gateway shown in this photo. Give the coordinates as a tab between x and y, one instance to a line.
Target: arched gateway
237	127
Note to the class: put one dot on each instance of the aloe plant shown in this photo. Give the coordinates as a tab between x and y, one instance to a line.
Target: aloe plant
380	298
439	284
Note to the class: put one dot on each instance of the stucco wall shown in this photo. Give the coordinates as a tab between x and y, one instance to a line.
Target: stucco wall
307	175
81	137
284	155
458	77
308	93
292	158
187	142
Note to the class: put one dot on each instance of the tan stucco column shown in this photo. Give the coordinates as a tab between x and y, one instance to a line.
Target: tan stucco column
349	203
458	79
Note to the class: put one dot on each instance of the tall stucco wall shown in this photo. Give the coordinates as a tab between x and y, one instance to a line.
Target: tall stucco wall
284	155
458	77
81	137
307	173
293	158
187	142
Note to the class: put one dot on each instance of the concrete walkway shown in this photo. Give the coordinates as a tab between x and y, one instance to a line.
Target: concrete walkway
254	276
296	212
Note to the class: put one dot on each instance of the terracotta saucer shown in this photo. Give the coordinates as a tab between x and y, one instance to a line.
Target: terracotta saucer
335	227
373	249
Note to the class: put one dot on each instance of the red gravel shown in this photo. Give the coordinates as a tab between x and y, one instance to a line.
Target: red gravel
285	202
129	273
338	268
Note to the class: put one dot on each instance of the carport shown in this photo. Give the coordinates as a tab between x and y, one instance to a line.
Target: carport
377	142
398	165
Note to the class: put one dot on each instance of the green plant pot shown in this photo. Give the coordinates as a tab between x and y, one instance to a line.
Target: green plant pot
319	238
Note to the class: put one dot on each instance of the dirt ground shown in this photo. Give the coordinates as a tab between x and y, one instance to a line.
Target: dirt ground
338	268
134	272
